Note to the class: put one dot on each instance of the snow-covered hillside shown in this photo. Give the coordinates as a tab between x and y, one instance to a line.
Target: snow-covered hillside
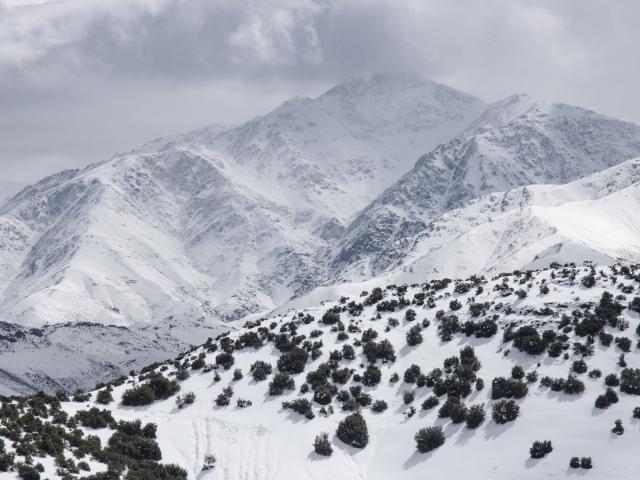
494	364
518	141
595	218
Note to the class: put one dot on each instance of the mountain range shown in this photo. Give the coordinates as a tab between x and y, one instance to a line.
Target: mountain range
383	176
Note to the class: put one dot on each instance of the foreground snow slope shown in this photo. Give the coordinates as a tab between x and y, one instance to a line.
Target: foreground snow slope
265	441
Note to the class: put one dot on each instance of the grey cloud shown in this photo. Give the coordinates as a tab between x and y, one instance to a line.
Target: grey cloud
81	79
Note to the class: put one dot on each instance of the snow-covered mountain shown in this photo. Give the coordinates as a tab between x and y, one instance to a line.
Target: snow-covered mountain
596	218
154	248
211	225
489	366
219	221
517	141
332	155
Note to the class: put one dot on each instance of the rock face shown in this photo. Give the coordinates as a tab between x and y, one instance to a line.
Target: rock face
516	142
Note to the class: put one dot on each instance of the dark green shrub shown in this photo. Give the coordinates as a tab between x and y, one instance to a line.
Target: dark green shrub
430	402
540	449
353	431
429	438
293	361
475	416
260	370
505	411
322	445
280	383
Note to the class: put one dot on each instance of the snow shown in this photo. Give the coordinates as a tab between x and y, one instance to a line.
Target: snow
264	441
516	142
189	232
594	218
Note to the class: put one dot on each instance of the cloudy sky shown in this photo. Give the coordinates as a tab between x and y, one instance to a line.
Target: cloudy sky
83	79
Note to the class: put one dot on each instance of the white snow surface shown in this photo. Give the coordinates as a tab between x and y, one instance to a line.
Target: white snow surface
266	442
596	218
516	142
220	222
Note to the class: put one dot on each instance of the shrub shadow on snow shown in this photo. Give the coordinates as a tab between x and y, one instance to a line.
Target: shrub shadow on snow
417	458
473	341
406	350
525	360
452	428
578	472
464	436
294	417
531	462
348	449
493	430
562	397
314	457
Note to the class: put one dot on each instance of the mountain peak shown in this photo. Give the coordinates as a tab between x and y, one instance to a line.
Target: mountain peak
391	84
504	111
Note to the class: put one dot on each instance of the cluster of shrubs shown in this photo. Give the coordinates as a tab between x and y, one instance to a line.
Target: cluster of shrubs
608	398
301	406
584	462
39	427
571	385
157	387
540	449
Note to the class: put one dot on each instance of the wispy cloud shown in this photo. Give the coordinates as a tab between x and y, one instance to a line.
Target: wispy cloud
80	79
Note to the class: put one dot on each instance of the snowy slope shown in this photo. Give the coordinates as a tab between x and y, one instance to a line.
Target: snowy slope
268	442
209	226
332	155
517	141
219	222
595	218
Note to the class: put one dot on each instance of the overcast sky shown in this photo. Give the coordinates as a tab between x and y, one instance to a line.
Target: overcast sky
83	79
